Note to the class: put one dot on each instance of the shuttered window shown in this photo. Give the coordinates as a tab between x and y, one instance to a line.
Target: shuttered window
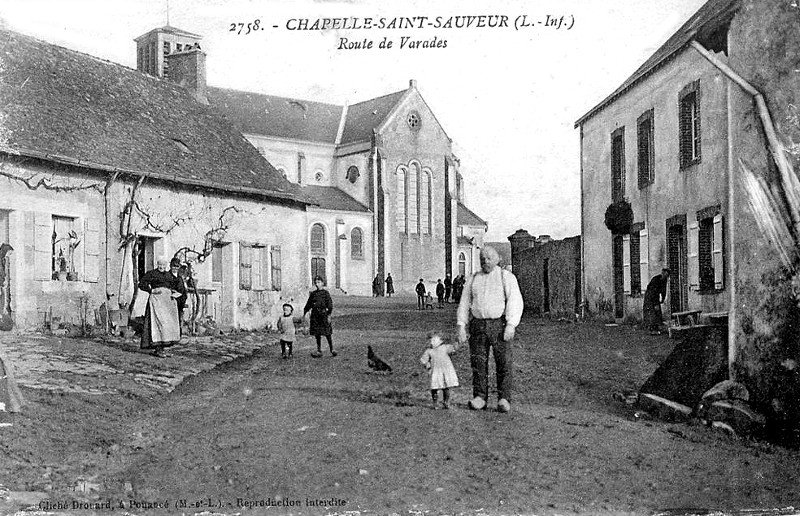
275	264
645	148
644	257
618	165
689	136
636	278
707	251
626	264
245	267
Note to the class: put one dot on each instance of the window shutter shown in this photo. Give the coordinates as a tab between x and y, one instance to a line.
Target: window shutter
245	279
718	252
91	250
626	264
694	261
266	281
43	246
644	256
275	258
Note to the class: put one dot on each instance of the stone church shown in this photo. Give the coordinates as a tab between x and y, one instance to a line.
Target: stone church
383	185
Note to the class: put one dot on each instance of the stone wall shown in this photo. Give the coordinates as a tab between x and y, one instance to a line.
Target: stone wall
549	277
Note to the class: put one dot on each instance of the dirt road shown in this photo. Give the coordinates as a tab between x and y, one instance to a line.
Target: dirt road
323	436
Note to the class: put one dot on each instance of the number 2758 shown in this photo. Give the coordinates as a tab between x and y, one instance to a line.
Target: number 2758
246	27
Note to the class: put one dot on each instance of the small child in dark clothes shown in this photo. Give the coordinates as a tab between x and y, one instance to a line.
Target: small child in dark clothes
440	293
286	327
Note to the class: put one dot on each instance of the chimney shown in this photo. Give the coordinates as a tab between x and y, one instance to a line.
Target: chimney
188	69
520	241
412	83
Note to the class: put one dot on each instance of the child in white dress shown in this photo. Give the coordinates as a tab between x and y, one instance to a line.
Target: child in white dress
436	360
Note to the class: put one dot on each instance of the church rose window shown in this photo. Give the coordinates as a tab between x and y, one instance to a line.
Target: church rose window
414	120
352	174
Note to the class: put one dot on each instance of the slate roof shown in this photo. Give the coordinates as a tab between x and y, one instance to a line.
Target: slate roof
66	106
365	116
705	20
256	113
466	217
331	198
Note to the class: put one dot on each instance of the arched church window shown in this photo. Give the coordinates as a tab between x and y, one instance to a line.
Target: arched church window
318	239
462	264
425	203
356	244
401	200
413	199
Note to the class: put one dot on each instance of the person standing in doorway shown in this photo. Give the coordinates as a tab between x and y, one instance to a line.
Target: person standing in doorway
161	326
491	307
320	305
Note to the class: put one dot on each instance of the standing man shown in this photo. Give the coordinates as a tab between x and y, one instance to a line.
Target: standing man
491	304
655	294
448	287
421	291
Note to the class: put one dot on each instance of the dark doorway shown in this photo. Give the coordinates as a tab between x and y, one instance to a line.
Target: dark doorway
677	262
145	256
546	286
619	287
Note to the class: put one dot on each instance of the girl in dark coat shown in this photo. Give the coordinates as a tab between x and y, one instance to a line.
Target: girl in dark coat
320	305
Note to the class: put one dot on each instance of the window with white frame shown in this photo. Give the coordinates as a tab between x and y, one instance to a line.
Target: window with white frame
254	270
706	256
635	256
66	240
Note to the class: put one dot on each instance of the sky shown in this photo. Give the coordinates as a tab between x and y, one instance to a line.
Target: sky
508	97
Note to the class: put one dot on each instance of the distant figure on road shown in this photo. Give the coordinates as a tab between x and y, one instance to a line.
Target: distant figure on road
421	291
491	305
320	305
389	285
440	293
448	287
655	294
376	286
161	325
436	360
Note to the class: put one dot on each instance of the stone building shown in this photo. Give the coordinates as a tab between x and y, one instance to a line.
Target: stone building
548	272
103	169
675	145
383	182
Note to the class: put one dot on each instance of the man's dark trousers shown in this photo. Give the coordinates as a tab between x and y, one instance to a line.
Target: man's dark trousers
483	334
